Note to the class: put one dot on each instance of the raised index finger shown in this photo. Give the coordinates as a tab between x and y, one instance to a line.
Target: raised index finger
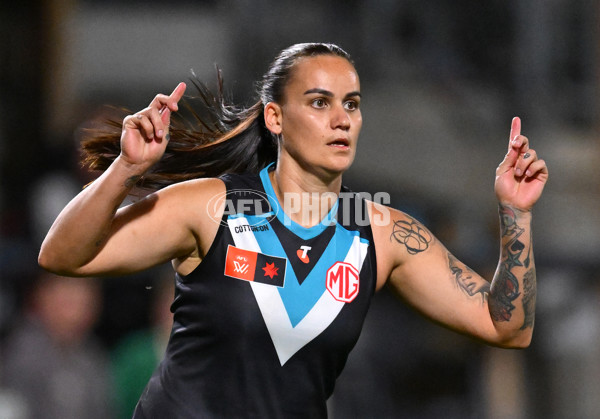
171	102
515	128
178	92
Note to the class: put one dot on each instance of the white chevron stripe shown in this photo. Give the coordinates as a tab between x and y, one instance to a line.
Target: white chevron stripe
288	339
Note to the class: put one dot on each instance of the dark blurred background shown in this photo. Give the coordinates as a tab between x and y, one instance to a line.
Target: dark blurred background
441	80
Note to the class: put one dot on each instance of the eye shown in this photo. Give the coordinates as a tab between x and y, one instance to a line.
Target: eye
351	105
319	103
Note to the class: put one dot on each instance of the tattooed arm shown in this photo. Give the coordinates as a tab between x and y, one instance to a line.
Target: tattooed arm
520	180
515	275
425	274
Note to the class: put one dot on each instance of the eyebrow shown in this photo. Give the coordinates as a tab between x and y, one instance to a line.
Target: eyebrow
328	93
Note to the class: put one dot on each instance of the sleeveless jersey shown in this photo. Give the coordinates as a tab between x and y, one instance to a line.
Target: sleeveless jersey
264	325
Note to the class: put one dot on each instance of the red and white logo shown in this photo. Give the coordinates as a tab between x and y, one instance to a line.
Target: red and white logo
240	263
342	281
302	253
241	268
254	266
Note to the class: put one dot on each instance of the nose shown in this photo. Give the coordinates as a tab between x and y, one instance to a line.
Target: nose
340	118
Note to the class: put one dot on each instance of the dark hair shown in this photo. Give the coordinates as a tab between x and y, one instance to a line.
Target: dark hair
278	74
210	137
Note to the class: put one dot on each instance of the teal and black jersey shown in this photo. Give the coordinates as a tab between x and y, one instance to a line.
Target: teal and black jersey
264	325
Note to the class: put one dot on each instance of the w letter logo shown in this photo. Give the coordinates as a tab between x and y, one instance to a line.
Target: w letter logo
240	267
342	281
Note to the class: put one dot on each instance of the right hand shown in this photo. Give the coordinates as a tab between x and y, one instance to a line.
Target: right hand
145	134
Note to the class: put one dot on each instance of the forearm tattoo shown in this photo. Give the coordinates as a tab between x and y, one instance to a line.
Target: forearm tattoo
130	182
504	291
411	234
505	288
529	293
467	281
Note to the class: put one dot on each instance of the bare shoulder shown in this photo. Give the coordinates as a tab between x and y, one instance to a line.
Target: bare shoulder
397	236
198	201
200	204
390	225
176	201
193	190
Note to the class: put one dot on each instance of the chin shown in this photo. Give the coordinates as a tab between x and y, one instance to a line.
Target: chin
338	165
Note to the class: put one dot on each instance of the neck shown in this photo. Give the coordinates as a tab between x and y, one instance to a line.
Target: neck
306	196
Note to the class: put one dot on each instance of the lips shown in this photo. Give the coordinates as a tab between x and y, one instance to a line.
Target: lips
339	142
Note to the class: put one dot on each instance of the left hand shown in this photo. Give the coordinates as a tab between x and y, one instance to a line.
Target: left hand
521	176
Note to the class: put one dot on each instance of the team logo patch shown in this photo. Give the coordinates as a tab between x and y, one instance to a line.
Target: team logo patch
342	281
254	266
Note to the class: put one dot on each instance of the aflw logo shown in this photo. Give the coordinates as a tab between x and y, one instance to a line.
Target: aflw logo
240	267
342	281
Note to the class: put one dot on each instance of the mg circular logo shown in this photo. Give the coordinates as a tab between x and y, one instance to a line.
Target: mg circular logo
241	201
342	281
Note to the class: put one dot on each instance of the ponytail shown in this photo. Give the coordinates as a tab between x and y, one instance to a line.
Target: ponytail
209	138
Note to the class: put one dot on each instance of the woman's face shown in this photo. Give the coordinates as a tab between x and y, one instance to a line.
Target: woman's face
320	113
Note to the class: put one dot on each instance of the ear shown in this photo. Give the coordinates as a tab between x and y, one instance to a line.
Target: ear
273	117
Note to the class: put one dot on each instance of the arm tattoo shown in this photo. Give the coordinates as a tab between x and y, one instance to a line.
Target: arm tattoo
130	182
505	288
529	292
527	260
465	279
412	234
504	291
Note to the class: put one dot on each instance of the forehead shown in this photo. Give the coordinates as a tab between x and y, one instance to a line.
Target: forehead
324	71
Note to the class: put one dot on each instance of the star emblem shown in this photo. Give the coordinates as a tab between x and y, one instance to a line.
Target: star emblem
270	270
